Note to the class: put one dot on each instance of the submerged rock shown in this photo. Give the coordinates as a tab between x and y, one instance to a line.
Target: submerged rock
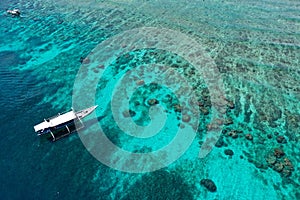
228	121
177	108
220	142
140	82
233	134
228	152
278	153
286	172
204	110
249	137
230	104
84	60
152	102
128	113
259	165
278	167
269	136
288	163
186	118
281	139
279	163
209	184
271	159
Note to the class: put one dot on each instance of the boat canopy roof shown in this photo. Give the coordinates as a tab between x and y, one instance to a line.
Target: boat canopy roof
60	119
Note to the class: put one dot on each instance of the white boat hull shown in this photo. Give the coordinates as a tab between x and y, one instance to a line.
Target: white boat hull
62	121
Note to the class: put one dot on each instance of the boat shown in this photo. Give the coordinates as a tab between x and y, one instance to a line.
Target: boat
62	124
14	12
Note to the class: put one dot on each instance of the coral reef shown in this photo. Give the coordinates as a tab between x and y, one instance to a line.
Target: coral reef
209	184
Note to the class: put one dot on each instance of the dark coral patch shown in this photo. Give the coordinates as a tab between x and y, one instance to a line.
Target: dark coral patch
160	185
209	184
9	58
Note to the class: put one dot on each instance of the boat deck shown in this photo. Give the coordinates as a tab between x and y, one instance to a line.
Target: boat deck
60	119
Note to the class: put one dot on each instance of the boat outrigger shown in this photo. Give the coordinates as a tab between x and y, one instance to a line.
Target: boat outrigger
62	124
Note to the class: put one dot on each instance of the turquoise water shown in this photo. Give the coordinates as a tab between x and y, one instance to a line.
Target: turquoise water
255	46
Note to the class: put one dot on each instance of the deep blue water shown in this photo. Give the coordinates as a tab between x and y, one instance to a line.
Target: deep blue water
255	46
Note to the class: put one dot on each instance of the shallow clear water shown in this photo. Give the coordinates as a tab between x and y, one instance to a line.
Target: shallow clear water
255	46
